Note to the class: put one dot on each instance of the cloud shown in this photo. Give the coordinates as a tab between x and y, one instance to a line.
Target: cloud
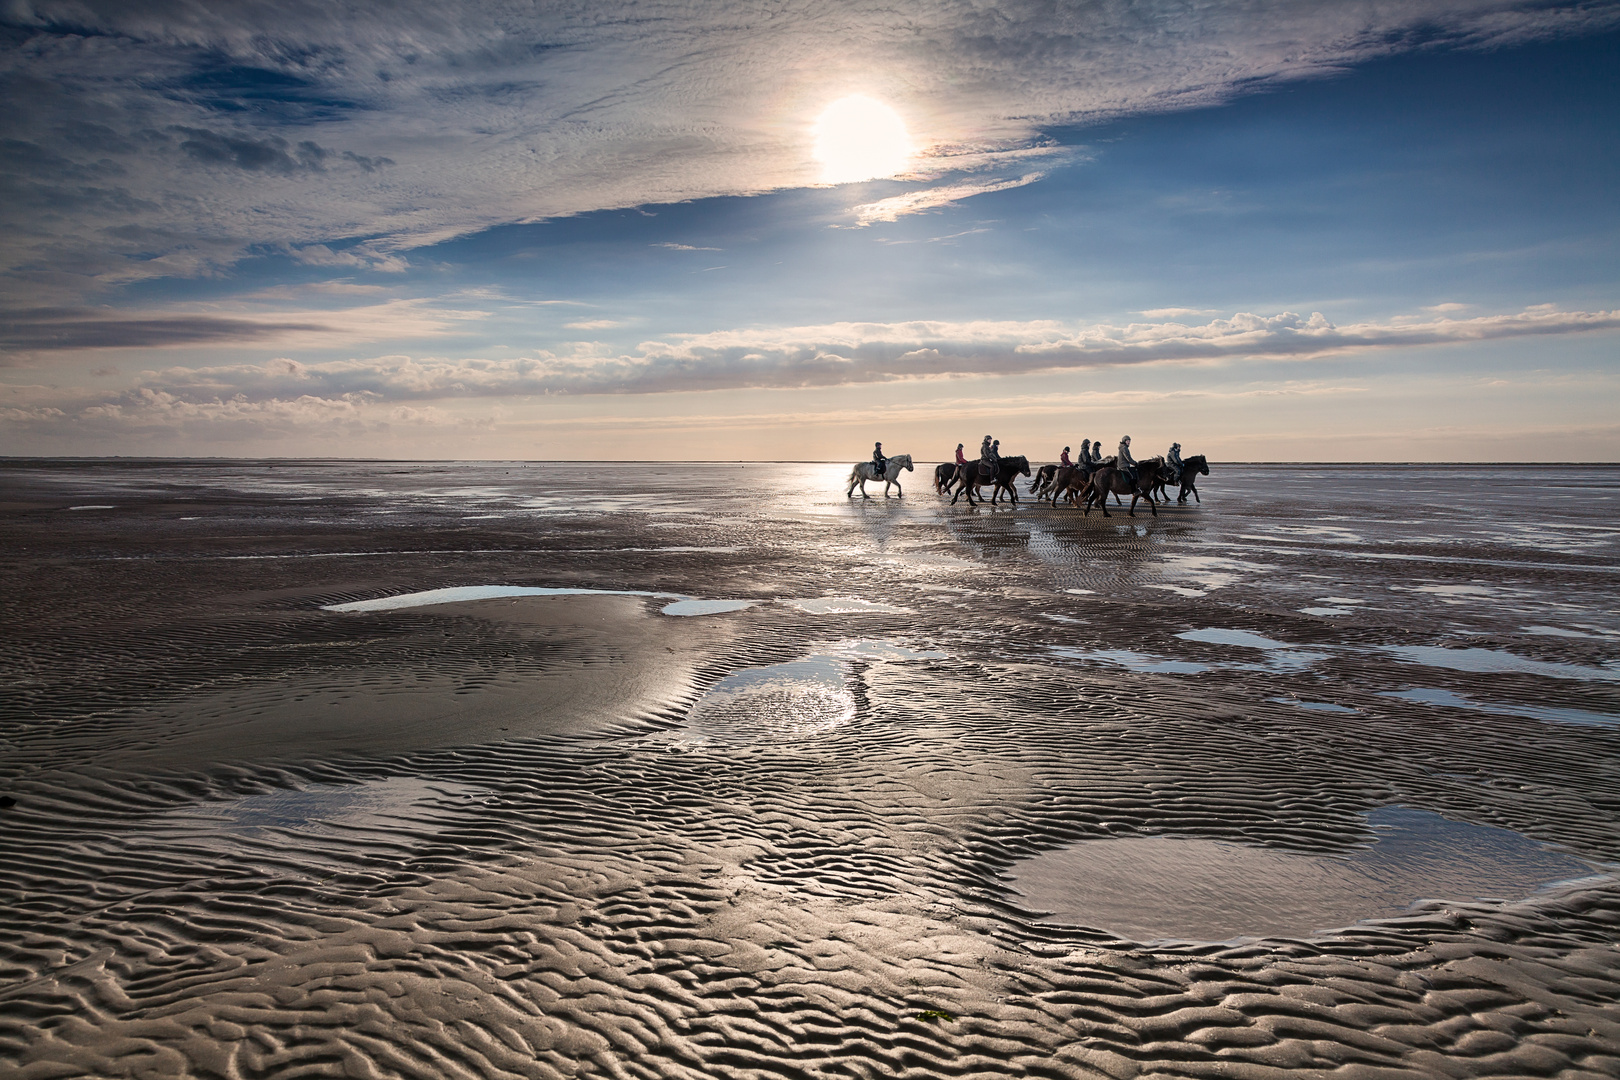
834	355
592	324
30	332
360	258
915	202
685	247
1174	312
170	139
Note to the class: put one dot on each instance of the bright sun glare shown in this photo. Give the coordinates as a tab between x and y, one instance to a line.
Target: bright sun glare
860	138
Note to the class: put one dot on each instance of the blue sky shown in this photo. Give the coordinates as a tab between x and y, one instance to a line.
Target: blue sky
1324	239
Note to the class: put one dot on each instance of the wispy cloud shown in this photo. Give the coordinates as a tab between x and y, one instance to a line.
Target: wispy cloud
916	202
684	247
156	143
30	332
831	355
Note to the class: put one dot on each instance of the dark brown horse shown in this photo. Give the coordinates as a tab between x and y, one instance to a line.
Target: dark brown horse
1070	483
972	479
945	477
1111	481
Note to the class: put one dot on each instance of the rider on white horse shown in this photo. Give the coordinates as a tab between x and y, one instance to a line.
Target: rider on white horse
879	463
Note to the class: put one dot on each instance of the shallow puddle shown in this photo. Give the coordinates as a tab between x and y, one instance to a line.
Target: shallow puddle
840	605
330	808
801	699
1156	888
461	594
1490	661
705	607
1135	661
1550	713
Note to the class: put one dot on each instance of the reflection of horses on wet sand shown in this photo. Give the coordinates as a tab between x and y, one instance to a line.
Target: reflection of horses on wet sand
1006	473
863	471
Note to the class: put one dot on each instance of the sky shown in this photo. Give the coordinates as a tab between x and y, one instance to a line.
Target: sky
1350	231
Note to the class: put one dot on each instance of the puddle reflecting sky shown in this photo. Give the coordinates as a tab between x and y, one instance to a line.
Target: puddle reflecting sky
1172	888
798	700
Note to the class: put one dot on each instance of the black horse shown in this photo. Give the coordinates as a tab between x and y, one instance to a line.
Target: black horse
1009	470
1191	469
945	477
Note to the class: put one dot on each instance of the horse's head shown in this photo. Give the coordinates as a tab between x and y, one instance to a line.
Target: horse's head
1197	464
905	459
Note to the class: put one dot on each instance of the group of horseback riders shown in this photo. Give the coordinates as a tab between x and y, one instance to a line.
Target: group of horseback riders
1089	480
1090	459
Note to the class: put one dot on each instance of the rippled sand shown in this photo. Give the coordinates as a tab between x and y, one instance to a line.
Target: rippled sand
1006	792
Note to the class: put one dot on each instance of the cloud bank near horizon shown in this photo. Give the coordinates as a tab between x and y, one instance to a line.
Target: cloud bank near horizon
403	389
169	138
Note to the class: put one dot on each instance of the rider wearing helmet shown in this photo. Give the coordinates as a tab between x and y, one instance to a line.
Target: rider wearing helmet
1173	458
1126	463
880	464
961	458
1086	460
1064	459
987	457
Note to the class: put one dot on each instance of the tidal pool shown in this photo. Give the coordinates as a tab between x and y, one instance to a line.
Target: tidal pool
801	699
1158	888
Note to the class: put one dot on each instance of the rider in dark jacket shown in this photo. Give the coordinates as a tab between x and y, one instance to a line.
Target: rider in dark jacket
879	462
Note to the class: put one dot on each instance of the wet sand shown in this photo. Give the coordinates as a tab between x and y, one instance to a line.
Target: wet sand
883	821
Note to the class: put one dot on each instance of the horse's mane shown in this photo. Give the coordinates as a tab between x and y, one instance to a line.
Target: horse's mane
1020	459
1190	460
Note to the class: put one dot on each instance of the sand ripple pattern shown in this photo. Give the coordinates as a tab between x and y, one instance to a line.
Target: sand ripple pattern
624	901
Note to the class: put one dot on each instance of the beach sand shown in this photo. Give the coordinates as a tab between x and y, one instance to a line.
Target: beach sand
1317	778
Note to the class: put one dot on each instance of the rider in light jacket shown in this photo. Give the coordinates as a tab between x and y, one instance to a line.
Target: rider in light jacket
1173	458
1126	463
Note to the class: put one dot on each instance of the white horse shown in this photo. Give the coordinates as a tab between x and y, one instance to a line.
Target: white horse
862	472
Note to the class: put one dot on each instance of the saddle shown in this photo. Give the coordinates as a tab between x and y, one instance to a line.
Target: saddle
986	471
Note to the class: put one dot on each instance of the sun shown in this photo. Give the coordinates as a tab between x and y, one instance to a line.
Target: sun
860	138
